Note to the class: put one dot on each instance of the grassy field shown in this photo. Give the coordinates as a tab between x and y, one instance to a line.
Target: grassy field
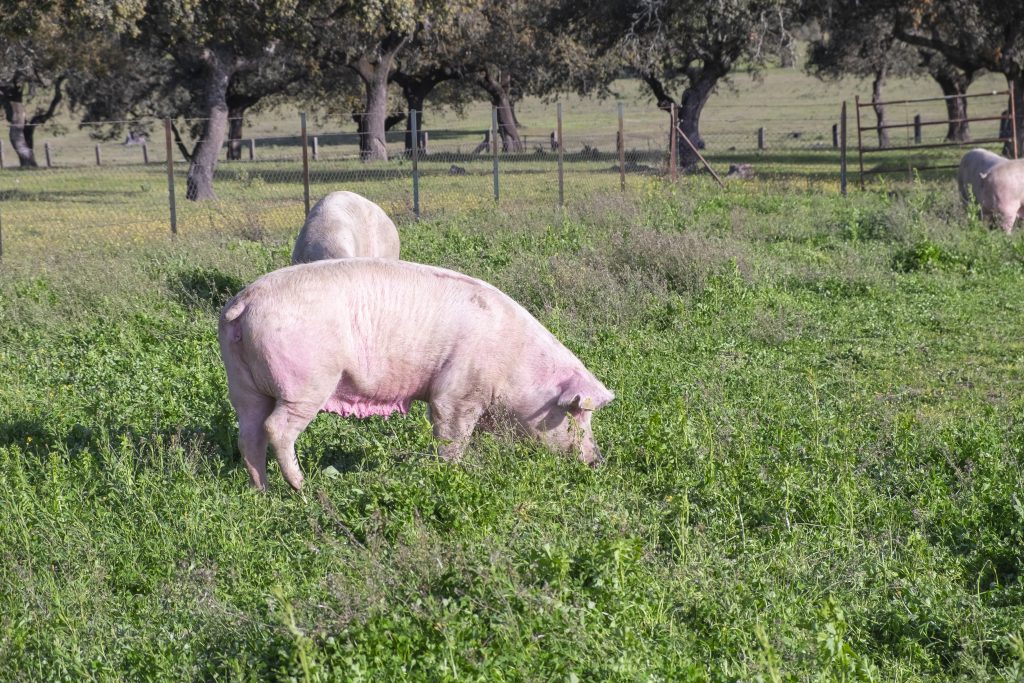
815	460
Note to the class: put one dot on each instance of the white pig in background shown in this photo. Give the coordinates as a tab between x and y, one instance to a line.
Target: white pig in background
996	183
345	225
972	165
369	336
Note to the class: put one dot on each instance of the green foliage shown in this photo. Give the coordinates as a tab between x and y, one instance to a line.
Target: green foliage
815	461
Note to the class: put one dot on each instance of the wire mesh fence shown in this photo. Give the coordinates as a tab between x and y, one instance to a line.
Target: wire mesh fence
87	189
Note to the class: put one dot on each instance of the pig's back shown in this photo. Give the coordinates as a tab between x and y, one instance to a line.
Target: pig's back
972	165
346	225
380	320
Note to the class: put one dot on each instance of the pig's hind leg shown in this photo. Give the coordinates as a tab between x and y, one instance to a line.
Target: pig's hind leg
283	427
253	410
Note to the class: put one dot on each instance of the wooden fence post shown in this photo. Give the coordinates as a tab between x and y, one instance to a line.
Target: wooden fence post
413	116
860	141
305	161
99	160
760	137
2	161
145	152
494	149
561	151
917	129
316	148
46	150
835	136
622	150
170	177
252	149
842	150
1013	121
672	143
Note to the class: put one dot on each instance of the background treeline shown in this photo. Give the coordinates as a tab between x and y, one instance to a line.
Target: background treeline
206	64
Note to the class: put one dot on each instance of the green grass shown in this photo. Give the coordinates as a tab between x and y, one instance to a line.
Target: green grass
815	458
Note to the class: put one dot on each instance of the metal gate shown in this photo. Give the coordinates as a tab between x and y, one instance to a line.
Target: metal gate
1007	133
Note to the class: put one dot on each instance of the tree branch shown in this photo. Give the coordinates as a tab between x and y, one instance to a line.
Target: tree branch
58	95
180	143
954	53
665	100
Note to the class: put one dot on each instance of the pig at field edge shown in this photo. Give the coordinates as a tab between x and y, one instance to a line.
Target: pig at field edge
1002	192
997	184
345	225
972	165
369	336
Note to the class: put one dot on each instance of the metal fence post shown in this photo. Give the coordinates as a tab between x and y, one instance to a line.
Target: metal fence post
1	235
917	129
413	115
99	160
145	152
1013	120
760	137
860	141
672	144
46	150
842	150
561	158
170	177
252	149
494	148
622	151
305	162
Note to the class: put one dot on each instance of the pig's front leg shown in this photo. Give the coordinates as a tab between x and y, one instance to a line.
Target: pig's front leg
453	423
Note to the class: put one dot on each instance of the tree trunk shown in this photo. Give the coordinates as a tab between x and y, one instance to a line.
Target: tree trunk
22	128
372	140
236	125
691	105
375	77
876	103
953	82
415	88
1017	82
958	129
219	68
414	103
497	88
21	132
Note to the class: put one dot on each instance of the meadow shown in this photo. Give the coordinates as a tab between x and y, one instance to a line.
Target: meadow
815	460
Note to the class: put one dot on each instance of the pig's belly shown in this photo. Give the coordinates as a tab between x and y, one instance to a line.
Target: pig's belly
350	403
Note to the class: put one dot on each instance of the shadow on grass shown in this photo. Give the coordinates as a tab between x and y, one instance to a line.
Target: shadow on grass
204	288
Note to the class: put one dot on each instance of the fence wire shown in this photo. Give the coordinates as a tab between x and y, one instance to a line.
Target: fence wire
87	190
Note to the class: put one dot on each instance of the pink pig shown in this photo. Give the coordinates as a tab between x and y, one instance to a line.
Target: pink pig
997	184
343	225
369	336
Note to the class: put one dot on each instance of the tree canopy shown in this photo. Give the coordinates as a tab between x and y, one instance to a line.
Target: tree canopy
205	63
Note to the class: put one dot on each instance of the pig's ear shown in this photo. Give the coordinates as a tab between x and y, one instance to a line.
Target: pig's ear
583	394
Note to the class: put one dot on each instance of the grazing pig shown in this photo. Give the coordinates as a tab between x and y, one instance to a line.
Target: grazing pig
1002	192
996	183
369	336
345	225
972	165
